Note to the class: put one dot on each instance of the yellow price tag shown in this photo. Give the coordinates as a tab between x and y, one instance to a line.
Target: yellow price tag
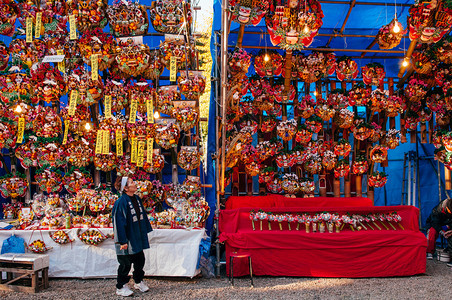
133	158
72	28
73	102
107	104
133	110
140	160
119	150
150	150
61	64
29	30
20	130
99	140
66	131
173	68
150	110
94	67
106	142
38	25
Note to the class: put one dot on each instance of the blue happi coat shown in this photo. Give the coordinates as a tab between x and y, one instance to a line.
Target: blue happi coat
126	226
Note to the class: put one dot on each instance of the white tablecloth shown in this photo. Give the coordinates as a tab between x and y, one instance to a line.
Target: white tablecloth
173	252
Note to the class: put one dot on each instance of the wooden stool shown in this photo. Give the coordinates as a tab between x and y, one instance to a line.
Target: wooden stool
26	267
231	266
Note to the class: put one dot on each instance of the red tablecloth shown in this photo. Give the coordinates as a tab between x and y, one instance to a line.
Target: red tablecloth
275	200
365	253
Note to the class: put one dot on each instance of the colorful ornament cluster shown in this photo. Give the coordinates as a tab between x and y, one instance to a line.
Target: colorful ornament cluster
326	221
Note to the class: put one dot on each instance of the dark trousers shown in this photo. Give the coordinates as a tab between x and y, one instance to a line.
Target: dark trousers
125	264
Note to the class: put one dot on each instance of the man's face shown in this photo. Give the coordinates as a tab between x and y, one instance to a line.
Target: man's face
131	186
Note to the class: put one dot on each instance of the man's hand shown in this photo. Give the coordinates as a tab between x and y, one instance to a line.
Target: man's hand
448	234
124	246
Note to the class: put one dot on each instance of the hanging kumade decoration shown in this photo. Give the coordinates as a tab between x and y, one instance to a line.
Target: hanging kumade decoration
79	153
125	168
26	53
306	107
191	84
73	57
81	113
347	68
141	129
189	158
360	165
127	18
8	15
49	179
329	160
387	37
89	14
167	134
342	168
166	96
238	63
315	66
26	153
96	42
7	134
105	162
16	87
20	110
89	91
248	12
429	20
112	125
77	179
53	16
50	153
119	93
294	23
392	138
377	179
395	105
358	95
48	84
373	74
157	163
4	56
13	186
186	114
141	92
443	50
263	93
268	63
47	123
156	66
132	60
169	16
175	46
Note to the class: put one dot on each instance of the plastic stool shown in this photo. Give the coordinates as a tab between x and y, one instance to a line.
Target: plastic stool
231	266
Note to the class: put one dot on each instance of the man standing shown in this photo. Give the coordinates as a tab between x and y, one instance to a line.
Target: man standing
439	222
131	227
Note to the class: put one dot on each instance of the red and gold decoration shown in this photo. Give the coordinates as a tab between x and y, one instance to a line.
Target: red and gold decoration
170	16
293	24
127	18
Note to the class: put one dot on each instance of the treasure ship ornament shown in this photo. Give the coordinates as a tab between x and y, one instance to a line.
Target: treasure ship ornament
429	20
293	24
127	18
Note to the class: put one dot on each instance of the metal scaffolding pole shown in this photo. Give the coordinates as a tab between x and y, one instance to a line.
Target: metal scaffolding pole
221	121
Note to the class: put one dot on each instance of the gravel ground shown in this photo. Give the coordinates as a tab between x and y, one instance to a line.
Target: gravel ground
434	284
